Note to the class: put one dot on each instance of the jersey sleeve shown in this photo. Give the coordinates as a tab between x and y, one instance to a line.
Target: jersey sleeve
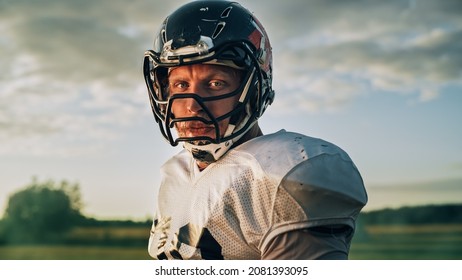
309	244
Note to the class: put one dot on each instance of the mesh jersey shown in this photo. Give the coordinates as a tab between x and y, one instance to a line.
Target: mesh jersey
267	186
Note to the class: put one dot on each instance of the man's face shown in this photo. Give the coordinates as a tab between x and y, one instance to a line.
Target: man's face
204	80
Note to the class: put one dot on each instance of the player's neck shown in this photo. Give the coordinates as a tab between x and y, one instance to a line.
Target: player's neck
254	132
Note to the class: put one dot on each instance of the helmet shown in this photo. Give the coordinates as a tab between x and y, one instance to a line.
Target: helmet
211	32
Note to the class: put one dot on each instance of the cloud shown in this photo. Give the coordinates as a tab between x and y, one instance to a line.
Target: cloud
71	72
403	47
74	67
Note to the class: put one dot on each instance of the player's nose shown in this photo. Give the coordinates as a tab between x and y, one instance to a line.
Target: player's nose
192	105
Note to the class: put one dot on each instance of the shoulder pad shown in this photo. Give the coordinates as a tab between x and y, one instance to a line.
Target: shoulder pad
328	187
278	153
318	175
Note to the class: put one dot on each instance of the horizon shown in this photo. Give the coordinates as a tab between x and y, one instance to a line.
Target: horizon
447	192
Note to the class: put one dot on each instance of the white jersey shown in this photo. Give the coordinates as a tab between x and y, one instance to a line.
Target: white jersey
267	186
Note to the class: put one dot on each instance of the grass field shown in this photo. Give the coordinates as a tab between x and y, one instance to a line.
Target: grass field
74	252
88	243
409	242
416	242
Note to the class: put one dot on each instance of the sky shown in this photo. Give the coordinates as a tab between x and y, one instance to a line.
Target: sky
381	79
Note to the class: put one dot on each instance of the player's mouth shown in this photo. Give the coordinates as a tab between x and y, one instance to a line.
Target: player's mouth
199	130
196	129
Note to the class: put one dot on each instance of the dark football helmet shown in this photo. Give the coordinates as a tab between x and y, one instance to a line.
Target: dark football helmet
212	32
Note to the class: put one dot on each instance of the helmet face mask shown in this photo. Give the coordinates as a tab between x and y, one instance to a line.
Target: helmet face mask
217	33
162	101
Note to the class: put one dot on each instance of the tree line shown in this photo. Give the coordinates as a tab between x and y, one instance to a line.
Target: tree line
44	212
416	215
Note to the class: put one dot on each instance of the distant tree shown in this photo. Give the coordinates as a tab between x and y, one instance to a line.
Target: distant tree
426	214
41	212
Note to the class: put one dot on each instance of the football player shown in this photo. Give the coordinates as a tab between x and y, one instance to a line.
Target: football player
232	192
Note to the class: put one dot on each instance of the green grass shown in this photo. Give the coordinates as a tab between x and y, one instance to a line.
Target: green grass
415	242
87	243
409	242
63	252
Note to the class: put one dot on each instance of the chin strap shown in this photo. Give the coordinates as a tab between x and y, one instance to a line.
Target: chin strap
211	152
208	153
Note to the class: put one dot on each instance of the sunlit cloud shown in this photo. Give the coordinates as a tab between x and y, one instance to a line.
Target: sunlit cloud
72	69
71	74
402	47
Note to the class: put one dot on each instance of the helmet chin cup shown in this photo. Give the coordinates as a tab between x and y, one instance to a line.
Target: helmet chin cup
211	152
207	153
224	34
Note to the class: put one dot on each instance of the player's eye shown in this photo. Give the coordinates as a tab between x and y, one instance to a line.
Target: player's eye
180	85
217	84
